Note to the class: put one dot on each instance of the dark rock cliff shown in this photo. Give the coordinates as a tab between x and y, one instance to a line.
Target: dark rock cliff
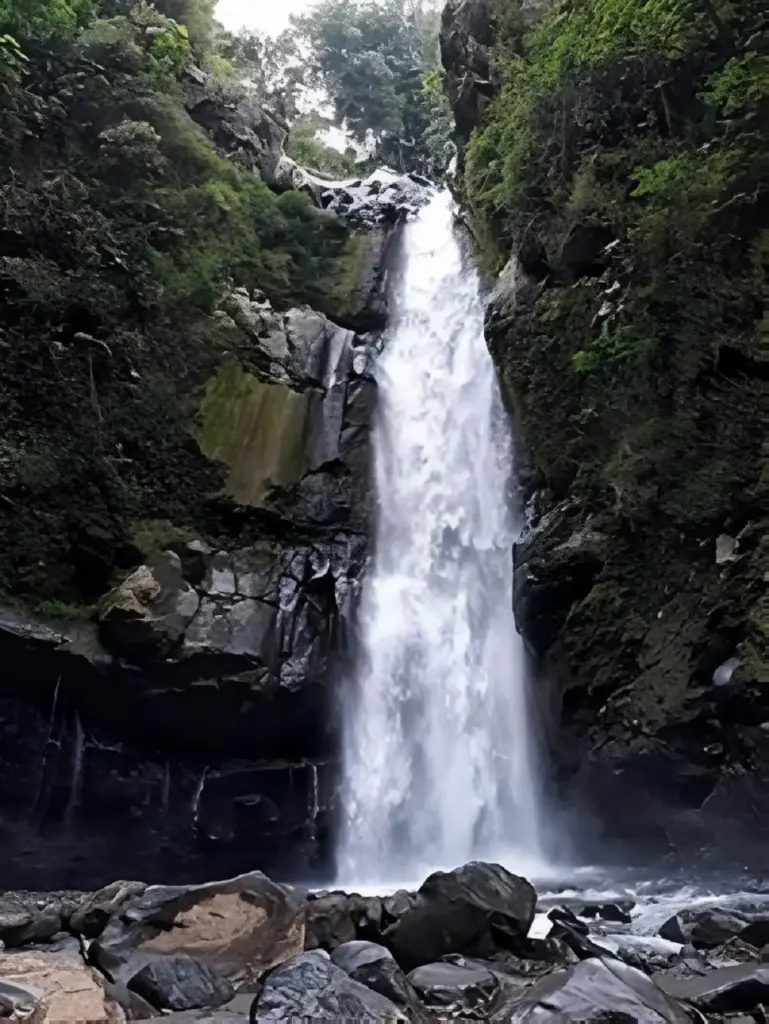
620	179
192	721
185	497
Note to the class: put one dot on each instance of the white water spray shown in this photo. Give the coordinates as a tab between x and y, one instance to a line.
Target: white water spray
438	759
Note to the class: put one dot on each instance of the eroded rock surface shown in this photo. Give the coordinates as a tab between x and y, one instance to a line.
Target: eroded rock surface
195	713
61	987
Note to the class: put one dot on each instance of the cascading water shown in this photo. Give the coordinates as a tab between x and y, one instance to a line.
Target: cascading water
438	748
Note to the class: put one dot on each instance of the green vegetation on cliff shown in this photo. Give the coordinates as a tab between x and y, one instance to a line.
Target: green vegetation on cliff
624	164
121	226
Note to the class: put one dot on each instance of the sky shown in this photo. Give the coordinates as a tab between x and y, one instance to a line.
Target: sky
267	15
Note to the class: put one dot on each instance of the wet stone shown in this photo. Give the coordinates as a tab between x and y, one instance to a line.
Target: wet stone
448	986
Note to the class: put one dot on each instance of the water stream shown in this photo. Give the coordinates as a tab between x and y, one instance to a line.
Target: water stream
439	759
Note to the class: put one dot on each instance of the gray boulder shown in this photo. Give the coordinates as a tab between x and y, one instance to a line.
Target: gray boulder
455	990
92	916
310	986
704	927
374	966
181	982
472	910
596	989
151	608
737	989
22	923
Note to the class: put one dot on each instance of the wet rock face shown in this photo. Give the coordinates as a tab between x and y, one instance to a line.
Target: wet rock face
375	208
247	131
467	36
193	722
640	628
78	802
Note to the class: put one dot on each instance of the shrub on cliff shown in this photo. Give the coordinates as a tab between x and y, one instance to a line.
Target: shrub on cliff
624	164
121	226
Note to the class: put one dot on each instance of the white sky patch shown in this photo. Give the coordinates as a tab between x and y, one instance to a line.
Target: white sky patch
266	15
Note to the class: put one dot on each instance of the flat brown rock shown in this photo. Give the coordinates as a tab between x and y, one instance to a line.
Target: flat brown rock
237	929
69	990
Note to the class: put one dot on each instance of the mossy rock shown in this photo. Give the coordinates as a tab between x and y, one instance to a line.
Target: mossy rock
257	429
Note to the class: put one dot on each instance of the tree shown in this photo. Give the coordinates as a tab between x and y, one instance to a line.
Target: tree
368	57
307	148
43	17
270	64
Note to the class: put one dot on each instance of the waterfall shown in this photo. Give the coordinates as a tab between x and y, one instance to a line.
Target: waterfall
439	765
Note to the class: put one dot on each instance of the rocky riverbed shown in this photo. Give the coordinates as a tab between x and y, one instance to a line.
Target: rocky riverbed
475	943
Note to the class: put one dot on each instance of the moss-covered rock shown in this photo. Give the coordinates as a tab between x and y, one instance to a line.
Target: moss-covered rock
256	429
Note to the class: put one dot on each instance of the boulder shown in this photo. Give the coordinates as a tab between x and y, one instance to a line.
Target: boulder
704	927
335	918
181	982
455	990
374	966
198	944
737	989
328	921
20	1003
150	609
66	988
472	910
596	989
618	913
310	986
92	916
757	932
22	923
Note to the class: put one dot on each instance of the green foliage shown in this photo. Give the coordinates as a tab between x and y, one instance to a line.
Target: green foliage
700	175
122	228
64	611
12	61
272	65
742	83
305	146
369	57
44	18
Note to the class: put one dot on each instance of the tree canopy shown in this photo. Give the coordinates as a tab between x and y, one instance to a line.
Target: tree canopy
371	59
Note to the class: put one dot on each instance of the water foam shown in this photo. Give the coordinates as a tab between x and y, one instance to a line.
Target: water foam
440	766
